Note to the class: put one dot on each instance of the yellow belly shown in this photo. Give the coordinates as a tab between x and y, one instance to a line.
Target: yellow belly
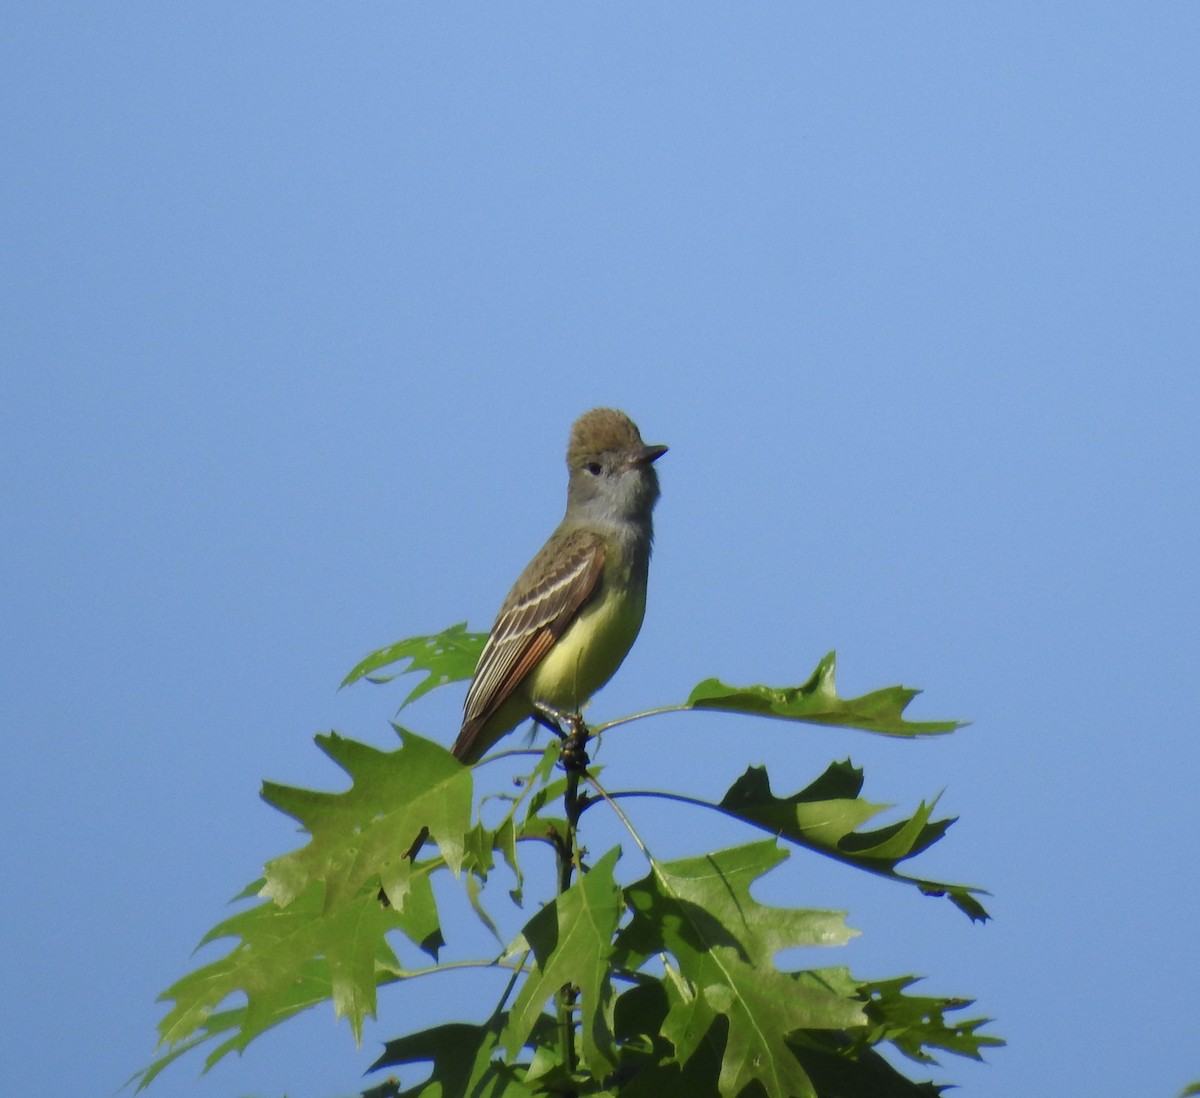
588	654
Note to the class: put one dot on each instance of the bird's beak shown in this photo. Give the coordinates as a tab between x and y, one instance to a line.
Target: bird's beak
645	456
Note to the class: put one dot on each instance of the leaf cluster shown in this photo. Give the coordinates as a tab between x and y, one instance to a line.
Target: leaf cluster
665	984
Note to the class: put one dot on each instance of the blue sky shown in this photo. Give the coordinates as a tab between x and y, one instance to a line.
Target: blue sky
298	305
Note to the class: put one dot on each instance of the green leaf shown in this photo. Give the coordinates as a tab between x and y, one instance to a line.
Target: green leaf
214	1025
826	815
817	702
720	1015
663	1077
445	657
287	960
638	1017
462	1058
700	911
322	936
836	1073
572	941
839	1063
1190	1089
915	1023
363	834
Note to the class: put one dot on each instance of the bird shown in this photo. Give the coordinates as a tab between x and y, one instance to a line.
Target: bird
574	612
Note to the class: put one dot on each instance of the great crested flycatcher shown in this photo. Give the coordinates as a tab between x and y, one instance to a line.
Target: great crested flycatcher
573	614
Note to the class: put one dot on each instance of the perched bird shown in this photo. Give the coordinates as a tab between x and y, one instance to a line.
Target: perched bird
576	609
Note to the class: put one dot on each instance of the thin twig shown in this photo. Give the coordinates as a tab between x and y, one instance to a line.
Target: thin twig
601	728
610	800
395	974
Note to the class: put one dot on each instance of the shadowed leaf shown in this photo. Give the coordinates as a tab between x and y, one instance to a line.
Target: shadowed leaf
826	816
915	1023
462	1059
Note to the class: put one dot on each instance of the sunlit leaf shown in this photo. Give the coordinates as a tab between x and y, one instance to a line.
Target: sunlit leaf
288	959
572	941
701	912
703	1008
445	657
365	832
817	702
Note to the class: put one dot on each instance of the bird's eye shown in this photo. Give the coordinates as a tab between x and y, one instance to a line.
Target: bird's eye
593	467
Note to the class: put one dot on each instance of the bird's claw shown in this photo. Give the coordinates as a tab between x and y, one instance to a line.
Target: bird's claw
568	726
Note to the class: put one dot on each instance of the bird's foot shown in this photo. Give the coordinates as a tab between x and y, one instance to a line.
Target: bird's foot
568	726
562	722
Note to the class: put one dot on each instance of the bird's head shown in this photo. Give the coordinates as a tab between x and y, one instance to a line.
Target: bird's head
611	468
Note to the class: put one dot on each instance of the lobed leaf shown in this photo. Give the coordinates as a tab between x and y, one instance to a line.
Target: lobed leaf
287	960
363	834
826	816
463	1061
445	657
322	934
817	702
839	1073
721	1010
915	1023
572	941
701	912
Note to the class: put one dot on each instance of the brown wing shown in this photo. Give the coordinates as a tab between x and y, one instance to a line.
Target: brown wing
542	603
